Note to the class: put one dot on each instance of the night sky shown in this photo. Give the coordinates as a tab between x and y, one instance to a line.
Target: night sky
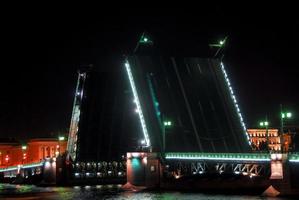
42	50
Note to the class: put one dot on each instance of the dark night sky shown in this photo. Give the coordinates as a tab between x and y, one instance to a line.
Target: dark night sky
41	52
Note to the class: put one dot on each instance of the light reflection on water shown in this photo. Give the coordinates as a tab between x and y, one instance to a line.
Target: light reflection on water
106	192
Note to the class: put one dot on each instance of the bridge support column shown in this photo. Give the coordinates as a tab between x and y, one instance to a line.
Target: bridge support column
280	177
144	169
49	172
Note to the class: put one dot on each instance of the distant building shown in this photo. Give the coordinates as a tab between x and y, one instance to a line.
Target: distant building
15	153
10	153
39	149
259	140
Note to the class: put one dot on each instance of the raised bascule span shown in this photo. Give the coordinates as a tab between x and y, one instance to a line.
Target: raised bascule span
74	127
195	94
134	98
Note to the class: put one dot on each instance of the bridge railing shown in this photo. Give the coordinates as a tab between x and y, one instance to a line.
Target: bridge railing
19	167
101	169
294	157
255	157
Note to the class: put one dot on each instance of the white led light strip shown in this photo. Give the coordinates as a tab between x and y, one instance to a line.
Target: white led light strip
8	169
33	165
22	167
235	102
139	110
209	158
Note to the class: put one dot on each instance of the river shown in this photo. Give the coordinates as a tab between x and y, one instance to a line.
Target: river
27	192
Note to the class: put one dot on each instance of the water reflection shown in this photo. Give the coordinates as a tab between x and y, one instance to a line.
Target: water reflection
105	192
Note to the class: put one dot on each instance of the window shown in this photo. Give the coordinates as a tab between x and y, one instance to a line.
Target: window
153	168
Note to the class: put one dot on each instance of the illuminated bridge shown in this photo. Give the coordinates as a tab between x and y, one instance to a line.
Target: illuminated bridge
179	116
127	107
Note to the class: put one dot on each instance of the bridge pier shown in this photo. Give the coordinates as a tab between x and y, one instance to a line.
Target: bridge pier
281	176
144	169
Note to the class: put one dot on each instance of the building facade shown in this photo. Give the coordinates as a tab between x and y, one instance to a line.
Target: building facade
262	140
12	154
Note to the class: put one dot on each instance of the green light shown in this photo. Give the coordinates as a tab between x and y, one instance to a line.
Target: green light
266	123
61	138
219	156
294	157
286	115
136	164
221	42
167	123
24	147
145	40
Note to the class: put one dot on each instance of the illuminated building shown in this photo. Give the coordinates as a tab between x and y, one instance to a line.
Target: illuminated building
39	149
15	153
10	153
259	140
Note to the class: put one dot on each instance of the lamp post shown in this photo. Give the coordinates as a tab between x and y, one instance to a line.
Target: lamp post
219	45
166	124
266	124
24	154
283	115
60	138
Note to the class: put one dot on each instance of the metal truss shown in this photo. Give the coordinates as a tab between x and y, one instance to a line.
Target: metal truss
183	168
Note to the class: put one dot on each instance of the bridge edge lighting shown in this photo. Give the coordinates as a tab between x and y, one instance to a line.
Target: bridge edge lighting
75	118
136	98
12	168
235	102
218	156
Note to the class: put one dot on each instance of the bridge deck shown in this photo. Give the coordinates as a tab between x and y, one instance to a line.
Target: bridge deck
18	167
219	156
294	157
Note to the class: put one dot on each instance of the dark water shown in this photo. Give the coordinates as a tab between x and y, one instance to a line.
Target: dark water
105	192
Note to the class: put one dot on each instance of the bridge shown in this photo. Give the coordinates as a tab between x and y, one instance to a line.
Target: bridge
187	121
179	116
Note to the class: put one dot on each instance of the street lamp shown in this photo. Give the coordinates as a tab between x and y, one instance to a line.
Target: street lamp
266	124
60	138
166	124
283	115
144	40
219	45
24	154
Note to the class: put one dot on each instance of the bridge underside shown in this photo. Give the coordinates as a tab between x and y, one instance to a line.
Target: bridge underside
196	96
108	126
192	93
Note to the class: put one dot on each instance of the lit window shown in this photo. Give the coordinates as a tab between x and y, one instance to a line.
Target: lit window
153	168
